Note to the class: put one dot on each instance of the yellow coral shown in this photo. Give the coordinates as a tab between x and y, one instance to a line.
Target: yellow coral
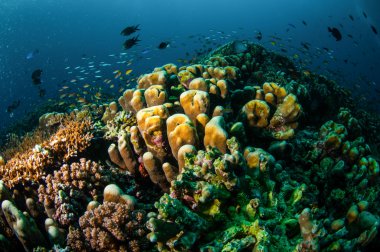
170	68
125	100
181	131
215	134
151	124
138	100
155	95
256	113
198	84
195	102
155	78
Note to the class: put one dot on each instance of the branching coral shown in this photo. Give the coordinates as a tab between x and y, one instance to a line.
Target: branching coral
113	226
73	186
72	137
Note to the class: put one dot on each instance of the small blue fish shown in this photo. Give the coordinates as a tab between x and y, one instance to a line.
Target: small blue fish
32	54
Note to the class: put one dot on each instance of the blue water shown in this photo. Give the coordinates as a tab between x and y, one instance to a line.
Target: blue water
70	34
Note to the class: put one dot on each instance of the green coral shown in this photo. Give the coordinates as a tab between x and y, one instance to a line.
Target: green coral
214	207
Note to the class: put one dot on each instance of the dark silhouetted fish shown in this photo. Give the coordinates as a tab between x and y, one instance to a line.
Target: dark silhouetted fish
129	30
129	43
163	45
259	36
351	17
374	29
36	76
364	14
306	45
336	33
41	92
292	25
350	36
13	106
304	22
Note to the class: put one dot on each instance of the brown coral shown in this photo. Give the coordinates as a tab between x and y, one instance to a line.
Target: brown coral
71	138
83	181
114	227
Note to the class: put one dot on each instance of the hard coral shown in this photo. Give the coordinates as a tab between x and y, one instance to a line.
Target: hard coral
273	110
73	186
114	227
72	137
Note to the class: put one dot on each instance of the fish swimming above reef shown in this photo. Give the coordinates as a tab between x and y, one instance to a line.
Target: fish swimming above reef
129	43
336	33
163	45
304	22
305	45
36	76
351	17
364	14
41	92
239	46
374	29
14	105
32	54
259	35
129	30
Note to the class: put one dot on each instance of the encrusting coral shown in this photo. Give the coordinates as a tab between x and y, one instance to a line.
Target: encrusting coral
233	153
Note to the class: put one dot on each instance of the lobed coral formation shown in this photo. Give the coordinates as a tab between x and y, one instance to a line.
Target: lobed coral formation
225	155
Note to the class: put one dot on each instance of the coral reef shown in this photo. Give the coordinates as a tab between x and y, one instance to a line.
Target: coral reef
238	152
72	137
111	226
70	188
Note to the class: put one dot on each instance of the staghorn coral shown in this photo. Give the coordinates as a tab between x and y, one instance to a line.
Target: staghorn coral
16	145
72	137
26	167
